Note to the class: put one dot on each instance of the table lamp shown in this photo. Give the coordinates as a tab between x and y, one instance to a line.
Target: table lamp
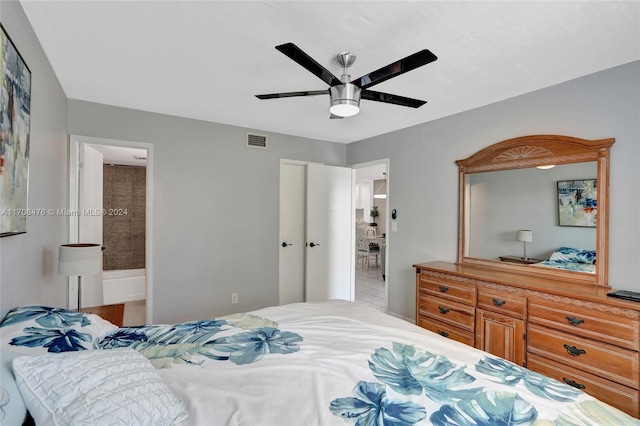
79	259
526	236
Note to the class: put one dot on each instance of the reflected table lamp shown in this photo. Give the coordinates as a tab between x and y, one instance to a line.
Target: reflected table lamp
78	260
526	236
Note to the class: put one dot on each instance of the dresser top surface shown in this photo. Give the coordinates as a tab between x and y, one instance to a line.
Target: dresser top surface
529	282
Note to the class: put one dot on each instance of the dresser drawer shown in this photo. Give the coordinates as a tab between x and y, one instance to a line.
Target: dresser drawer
448	311
446	330
619	396
443	286
587	322
601	359
501	302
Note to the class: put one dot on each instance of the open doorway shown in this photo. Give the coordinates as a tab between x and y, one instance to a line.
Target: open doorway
371	233
115	178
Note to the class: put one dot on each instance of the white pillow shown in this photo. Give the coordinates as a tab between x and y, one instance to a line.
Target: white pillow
33	330
101	387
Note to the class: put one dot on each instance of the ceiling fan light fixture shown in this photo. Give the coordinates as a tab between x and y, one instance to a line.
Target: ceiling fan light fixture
345	100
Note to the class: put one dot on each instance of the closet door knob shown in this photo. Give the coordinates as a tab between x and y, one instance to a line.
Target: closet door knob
284	244
313	244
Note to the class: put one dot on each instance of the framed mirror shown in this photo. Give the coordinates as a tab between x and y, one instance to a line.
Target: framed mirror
537	205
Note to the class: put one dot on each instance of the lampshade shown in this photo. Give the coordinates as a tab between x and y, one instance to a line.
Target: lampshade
525	235
345	100
550	166
79	259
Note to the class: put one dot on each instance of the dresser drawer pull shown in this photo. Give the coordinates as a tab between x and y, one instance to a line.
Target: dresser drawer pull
443	310
443	333
573	383
444	288
498	302
572	350
574	320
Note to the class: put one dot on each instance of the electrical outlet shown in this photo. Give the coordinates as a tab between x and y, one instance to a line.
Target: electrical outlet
234	297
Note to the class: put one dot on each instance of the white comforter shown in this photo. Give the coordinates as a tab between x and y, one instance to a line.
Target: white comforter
356	365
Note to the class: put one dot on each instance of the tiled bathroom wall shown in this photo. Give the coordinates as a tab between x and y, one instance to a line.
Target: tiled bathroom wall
124	222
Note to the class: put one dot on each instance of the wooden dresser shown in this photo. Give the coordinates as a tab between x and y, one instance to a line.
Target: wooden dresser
571	332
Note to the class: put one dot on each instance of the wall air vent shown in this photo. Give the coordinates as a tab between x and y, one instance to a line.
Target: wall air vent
256	141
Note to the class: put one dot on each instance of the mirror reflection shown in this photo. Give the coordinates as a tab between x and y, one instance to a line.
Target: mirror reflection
502	203
512	194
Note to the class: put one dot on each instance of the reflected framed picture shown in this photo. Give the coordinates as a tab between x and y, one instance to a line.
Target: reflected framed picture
15	121
577	203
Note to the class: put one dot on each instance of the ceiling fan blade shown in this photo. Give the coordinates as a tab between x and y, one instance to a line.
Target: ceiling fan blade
371	95
395	69
293	94
306	61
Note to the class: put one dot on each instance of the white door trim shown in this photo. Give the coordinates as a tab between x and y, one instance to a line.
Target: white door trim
74	167
384	161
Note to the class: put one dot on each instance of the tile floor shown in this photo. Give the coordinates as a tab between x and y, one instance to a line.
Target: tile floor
370	286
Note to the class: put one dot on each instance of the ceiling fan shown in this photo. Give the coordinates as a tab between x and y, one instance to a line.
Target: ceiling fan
345	94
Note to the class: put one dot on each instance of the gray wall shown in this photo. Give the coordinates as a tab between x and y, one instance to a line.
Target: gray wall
216	206
423	179
28	262
216	202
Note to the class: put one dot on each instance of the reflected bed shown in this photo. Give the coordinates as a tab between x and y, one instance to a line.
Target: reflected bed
571	259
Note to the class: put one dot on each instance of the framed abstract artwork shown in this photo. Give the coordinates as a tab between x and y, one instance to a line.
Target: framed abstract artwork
577	203
15	121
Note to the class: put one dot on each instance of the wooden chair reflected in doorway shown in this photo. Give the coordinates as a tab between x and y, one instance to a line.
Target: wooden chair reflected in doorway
366	250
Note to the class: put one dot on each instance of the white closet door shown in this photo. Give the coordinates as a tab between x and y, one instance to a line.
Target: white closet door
292	232
330	268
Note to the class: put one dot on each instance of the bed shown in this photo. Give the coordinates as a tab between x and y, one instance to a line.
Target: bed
330	363
571	259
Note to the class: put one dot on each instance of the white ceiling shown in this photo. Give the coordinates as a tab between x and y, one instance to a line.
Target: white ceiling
207	59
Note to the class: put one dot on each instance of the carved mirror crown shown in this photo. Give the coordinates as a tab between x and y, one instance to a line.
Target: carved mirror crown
534	151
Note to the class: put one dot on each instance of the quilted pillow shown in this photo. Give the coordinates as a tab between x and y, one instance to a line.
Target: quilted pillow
573	255
101	387
32	330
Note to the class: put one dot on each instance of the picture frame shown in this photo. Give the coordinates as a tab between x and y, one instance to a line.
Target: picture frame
577	202
15	124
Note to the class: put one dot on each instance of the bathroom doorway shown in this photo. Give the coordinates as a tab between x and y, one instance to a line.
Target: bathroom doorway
114	178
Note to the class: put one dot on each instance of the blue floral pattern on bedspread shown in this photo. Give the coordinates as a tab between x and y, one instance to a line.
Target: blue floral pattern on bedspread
407	374
55	329
241	339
